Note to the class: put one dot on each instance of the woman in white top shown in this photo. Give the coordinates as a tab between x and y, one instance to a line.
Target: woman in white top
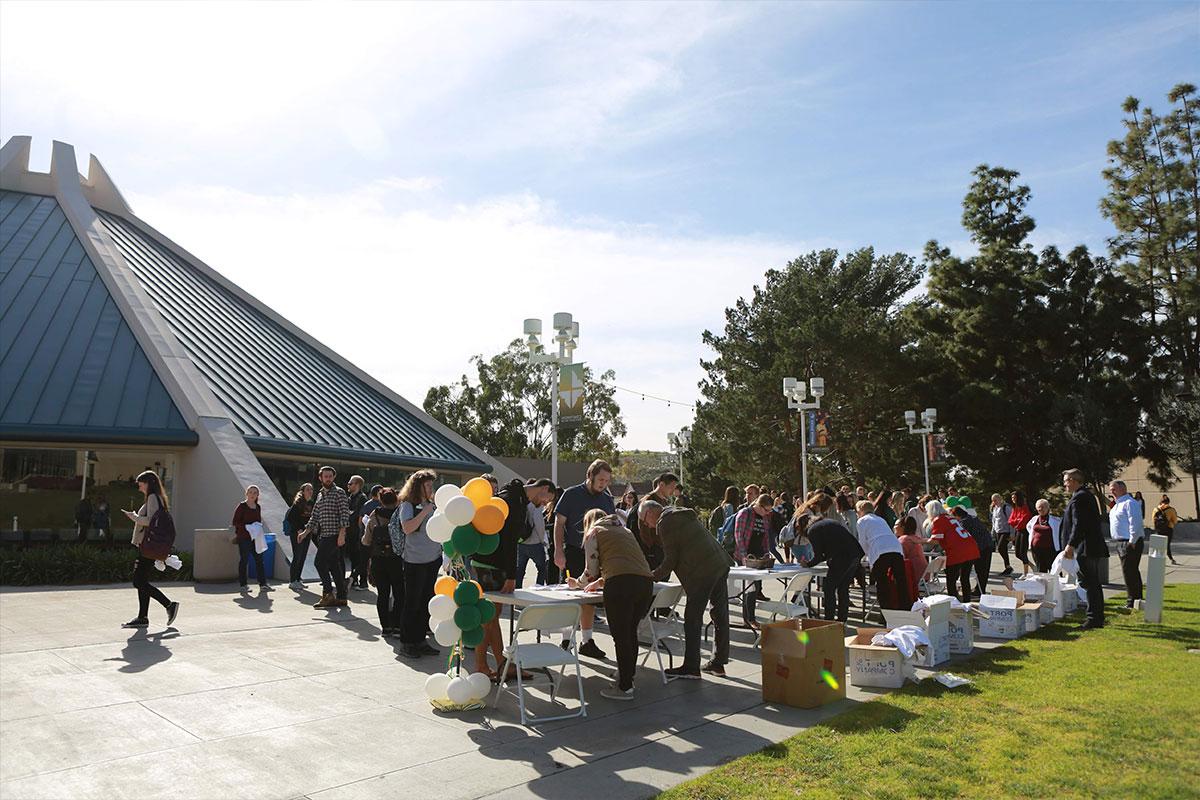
156	498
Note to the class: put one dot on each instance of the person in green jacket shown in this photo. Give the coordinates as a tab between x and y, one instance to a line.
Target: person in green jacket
702	566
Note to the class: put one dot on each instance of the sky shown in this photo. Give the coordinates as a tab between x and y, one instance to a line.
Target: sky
395	174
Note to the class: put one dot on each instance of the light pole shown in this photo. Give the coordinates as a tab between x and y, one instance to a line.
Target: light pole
566	336
796	393
928	418
678	442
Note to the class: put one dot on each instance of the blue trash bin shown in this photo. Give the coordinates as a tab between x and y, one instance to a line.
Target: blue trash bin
268	560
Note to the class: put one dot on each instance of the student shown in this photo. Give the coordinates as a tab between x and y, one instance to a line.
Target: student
885	557
1165	520
981	532
614	563
752	539
959	546
356	498
422	560
330	514
1001	530
569	513
297	518
387	565
152	489
1044	539
1019	520
833	543
248	512
533	548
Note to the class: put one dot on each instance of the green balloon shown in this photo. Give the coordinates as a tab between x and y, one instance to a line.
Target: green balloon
965	502
466	617
951	502
448	549
466	540
466	594
473	637
487	611
488	545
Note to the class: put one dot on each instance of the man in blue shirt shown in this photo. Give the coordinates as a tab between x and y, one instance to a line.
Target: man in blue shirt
568	537
1125	525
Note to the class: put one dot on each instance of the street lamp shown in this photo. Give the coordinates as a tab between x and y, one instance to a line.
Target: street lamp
566	336
678	442
796	393
928	418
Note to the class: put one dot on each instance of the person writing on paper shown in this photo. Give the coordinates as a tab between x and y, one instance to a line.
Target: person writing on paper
702	566
614	564
569	512
248	512
885	557
156	498
833	543
1082	532
752	540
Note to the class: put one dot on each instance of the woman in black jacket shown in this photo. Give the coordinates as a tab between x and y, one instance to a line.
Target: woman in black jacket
297	519
831	542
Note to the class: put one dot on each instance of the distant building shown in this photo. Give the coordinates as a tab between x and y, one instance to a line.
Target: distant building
120	352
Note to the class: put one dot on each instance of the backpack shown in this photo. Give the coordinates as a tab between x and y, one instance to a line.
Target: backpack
1162	525
726	534
160	535
716	519
396	533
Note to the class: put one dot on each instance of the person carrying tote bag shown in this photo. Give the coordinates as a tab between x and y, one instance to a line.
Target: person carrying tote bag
153	535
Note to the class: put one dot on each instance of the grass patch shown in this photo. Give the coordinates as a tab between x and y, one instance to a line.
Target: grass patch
1059	713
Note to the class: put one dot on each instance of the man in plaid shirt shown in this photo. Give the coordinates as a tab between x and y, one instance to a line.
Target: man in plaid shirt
330	514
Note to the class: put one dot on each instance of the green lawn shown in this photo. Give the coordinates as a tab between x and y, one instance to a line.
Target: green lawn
1060	713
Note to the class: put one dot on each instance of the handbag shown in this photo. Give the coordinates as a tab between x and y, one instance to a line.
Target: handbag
160	536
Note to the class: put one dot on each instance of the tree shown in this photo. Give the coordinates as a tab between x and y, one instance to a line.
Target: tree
1154	204
640	466
820	315
506	411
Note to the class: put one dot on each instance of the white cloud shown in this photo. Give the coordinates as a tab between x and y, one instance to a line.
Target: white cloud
370	281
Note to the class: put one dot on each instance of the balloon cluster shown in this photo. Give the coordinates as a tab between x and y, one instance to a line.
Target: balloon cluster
448	690
467	519
962	500
457	611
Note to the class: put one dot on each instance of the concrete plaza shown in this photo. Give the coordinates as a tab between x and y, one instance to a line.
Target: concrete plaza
261	696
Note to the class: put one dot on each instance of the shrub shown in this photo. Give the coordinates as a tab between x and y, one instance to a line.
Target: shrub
66	564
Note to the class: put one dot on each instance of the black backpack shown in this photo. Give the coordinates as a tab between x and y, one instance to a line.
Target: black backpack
1162	525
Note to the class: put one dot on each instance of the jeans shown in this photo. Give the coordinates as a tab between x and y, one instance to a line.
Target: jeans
418	589
357	555
141	580
387	573
891	582
246	551
837	587
1131	560
626	601
299	554
750	602
1002	546
983	568
330	567
1089	579
960	573
701	594
535	553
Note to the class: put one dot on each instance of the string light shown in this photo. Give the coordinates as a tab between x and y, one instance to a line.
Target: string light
666	400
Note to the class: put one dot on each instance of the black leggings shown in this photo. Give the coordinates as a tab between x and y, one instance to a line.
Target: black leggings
1021	546
626	602
387	573
418	589
299	554
983	568
837	587
1043	557
960	573
1002	541
891	582
141	581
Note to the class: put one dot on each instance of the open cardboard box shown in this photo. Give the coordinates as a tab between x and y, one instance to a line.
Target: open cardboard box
962	628
792	663
1028	612
936	622
876	665
1002	622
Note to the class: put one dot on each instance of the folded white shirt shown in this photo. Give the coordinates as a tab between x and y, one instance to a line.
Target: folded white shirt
906	639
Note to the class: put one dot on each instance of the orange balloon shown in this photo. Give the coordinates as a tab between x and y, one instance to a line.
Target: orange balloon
500	504
445	585
478	491
488	520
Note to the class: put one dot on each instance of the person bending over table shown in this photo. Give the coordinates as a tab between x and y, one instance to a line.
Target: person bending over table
832	542
752	537
961	550
613	562
885	557
702	566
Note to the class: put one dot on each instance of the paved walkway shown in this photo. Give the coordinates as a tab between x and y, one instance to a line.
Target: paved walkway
264	697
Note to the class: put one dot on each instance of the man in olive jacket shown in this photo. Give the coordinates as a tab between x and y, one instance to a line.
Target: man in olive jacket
702	566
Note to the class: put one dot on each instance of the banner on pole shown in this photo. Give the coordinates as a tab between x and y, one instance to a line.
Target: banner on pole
936	442
570	396
818	430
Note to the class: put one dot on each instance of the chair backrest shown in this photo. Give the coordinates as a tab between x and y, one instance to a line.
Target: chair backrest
797	584
667	598
548	616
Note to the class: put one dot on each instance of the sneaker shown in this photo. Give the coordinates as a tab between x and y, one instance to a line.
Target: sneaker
616	693
326	601
264	587
426	649
172	612
244	588
565	645
1007	571
590	650
682	672
137	622
296	585
713	668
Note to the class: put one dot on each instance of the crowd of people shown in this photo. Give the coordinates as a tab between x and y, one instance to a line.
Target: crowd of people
582	536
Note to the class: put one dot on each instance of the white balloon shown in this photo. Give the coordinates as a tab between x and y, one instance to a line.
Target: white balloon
460	691
481	685
435	686
459	511
446	633
441	608
445	494
439	528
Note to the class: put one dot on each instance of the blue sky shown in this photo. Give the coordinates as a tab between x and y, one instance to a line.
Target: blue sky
516	160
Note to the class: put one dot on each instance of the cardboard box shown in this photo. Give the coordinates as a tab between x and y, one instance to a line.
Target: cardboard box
875	665
938	631
1070	598
1028	613
1002	620
962	628
792	664
1054	594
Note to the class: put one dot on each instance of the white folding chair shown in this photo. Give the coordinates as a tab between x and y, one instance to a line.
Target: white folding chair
552	618
655	632
791	606
929	582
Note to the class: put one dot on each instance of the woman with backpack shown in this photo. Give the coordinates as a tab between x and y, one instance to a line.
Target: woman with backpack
296	522
1165	520
387	563
156	503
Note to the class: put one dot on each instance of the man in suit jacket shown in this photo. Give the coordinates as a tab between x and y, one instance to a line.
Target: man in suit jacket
1085	540
702	566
